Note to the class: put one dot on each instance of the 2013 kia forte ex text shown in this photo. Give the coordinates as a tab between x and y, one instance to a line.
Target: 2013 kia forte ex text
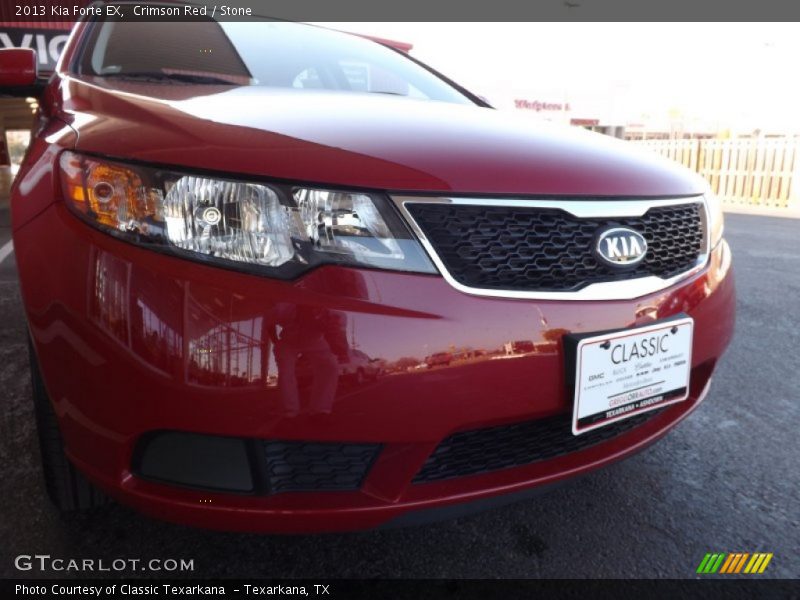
301	282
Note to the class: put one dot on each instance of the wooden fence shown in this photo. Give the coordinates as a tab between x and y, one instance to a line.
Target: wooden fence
761	172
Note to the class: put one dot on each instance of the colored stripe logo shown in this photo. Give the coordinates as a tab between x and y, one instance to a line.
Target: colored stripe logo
731	563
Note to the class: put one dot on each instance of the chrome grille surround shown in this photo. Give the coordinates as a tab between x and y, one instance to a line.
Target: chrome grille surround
590	208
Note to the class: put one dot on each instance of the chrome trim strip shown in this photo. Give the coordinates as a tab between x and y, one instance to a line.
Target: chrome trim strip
704	392
587	209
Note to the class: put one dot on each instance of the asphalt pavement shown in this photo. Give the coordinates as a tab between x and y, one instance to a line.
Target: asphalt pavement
725	480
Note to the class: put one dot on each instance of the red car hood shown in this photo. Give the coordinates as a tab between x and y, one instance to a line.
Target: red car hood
360	140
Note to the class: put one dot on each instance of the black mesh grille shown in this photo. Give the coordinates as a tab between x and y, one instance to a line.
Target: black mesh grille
535	249
314	466
484	450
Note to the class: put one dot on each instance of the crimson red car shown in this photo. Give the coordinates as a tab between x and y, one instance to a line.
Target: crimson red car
214	218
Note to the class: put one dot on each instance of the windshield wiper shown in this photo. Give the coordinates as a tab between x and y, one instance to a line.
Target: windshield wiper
158	77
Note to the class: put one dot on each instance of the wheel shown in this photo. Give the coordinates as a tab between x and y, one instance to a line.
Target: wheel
67	488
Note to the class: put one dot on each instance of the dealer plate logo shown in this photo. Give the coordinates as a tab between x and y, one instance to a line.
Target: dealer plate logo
621	247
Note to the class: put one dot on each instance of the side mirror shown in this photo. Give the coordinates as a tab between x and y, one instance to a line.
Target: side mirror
18	70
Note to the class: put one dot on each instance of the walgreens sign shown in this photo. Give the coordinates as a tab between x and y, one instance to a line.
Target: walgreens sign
539	106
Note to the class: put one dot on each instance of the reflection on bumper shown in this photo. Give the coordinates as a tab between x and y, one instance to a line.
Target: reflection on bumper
365	509
139	342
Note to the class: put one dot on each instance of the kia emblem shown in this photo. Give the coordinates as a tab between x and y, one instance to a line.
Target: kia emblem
621	247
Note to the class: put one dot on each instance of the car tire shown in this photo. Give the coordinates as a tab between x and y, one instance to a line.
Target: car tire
67	488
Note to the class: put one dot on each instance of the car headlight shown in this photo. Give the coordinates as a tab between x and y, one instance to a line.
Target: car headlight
716	220
280	229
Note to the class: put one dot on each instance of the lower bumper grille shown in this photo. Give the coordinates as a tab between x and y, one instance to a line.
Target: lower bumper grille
251	466
314	466
484	450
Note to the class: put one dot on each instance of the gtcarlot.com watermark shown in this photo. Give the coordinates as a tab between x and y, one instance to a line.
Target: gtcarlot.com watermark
45	563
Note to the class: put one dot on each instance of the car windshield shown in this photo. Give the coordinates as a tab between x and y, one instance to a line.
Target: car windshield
264	53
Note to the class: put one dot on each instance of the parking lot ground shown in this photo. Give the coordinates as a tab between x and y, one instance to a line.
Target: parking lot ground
725	480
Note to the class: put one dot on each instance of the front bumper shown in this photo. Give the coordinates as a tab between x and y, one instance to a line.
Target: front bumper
131	342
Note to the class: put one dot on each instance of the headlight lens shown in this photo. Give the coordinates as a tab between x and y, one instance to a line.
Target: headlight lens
282	229
716	219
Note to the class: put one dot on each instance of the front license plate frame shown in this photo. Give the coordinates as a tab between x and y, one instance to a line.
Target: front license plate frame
620	373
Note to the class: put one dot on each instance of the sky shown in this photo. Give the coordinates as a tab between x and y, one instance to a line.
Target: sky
736	76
